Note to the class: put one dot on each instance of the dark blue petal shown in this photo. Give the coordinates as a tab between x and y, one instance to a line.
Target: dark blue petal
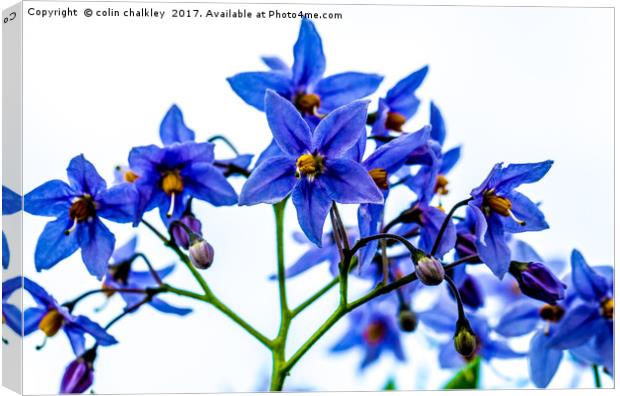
173	128
12	316
369	217
270	182
52	198
205	182
97	243
391	156
164	307
479	221
378	127
145	159
432	220
38	293
251	86
406	87
348	182
290	131
98	332
312	257
373	352
83	176
118	203
341	89
276	64
449	159
576	327
348	341
6	253
516	174
11	201
341	129
273	150
145	278
524	210
522	318
54	245
125	252
489	182
544	361
180	203
179	155
312	203
9	286
76	338
493	250
439	127
590	285
499	349
32	318
309	63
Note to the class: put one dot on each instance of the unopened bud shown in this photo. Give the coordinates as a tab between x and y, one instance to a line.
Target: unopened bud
464	339
78	376
201	253
407	320
429	271
179	233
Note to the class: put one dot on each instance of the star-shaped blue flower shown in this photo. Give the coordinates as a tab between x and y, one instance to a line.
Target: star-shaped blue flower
312	166
78	208
499	209
11	203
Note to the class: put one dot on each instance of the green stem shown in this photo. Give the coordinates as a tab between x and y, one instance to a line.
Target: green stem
444	225
597	376
314	297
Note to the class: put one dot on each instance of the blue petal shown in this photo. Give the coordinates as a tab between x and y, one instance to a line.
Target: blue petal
439	127
12	317
144	159
449	159
449	357
273	150
205	182
32	318
489	182
76	338
97	243
576	327
341	89
312	203
276	64
480	222
173	128
378	127
164	307
432	220
270	182
125	252
118	203
290	131
52	198
516	174
524	210
11	201
373	352
391	156
312	257
98	332
348	182
369	218
38	293
146	278
6	253
523	252
83	176
9	286
494	251
590	285
402	92
180	203
53	245
522	318
341	129
309	63
251	86
543	361
441	317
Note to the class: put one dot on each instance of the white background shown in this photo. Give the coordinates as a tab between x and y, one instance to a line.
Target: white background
514	84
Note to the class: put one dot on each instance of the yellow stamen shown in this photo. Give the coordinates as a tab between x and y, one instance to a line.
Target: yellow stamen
380	177
395	121
130	176
308	103
51	323
607	308
551	313
440	185
501	206
309	165
172	182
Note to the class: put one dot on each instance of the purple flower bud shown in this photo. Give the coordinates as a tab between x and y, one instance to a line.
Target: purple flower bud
78	376
538	282
201	253
180	234
429	271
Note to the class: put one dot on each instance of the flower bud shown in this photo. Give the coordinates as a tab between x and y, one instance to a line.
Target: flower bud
464	339
407	320
78	376
429	270
180	234
538	282
201	253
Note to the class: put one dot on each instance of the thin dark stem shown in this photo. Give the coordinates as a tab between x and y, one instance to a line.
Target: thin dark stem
127	311
597	376
155	231
457	296
444	225
151	269
70	305
226	141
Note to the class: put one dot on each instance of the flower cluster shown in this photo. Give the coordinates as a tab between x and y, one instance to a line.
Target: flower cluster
327	149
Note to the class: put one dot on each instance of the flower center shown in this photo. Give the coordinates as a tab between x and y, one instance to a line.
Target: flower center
308	103
309	165
607	308
380	177
82	208
374	333
499	205
51	322
395	121
551	313
440	185
172	184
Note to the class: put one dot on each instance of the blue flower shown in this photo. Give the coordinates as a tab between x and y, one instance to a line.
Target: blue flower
11	315
304	84
399	105
374	331
311	166
168	177
50	317
78	208
499	209
382	163
11	203
121	275
589	320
